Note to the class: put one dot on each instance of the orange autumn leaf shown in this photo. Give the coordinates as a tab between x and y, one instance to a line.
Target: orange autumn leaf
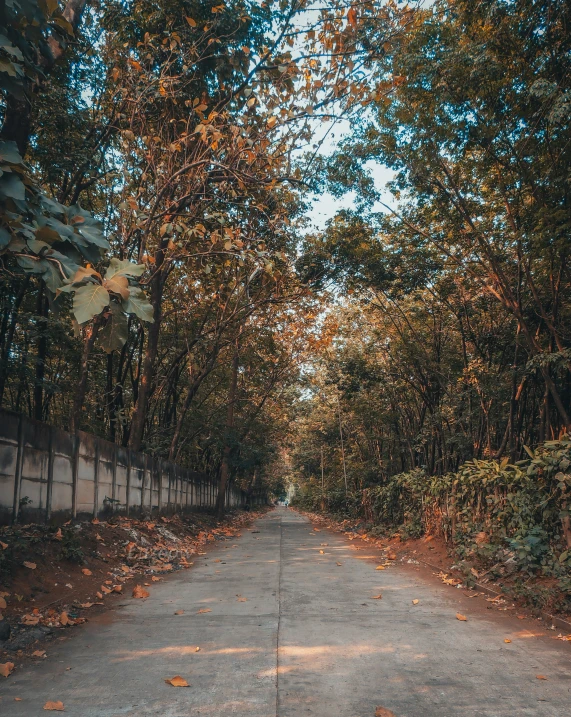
380	567
383	712
3	545
322	552
541	677
415	602
377	597
64	619
177	681
179	612
507	641
86	571
54	706
6	668
31	566
203	610
461	617
140	592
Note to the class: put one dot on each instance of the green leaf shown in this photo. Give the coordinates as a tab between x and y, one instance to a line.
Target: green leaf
89	301
12	186
139	305
114	334
123	267
9	153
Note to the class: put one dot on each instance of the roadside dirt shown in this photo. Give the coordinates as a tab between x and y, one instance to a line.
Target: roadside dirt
53	579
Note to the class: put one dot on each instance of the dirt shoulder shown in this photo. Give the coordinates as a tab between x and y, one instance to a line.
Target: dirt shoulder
53	579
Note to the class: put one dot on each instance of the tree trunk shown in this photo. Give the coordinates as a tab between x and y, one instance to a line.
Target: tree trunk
146	378
42	352
225	467
81	389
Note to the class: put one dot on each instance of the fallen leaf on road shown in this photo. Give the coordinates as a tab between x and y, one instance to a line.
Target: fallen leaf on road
38	653
391	556
177	681
17	699
507	641
118	588
155	579
203	610
382	712
197	649
54	706
520	617
6	668
380	567
322	552
86	605
140	592
339	564
541	677
86	571
29	620
461	617
415	602
99	595
326	544
31	566
241	599
377	597
179	612
64	619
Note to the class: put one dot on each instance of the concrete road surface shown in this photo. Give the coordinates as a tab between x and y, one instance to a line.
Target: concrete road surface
293	633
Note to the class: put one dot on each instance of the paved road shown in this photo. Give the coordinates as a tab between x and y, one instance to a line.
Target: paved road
308	640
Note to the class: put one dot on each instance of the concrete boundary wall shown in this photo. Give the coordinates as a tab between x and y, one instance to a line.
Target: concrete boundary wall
47	474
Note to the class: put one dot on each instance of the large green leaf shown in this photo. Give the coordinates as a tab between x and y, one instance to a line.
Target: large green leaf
139	304
89	301
123	267
114	334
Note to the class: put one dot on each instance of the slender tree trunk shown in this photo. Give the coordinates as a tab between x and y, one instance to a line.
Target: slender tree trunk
41	354
9	338
81	388
146	378
225	467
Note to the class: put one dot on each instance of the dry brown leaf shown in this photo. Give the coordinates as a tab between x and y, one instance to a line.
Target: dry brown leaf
3	605
95	521
461	617
31	566
177	681
3	545
383	712
117	588
17	699
541	677
391	556
86	605
340	564
155	579
140	592
54	706
242	599
29	620
322	552
197	649
58	535
179	612
86	571
105	590
507	641
6	668
377	597
415	602
203	610
380	567
99	595
64	619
